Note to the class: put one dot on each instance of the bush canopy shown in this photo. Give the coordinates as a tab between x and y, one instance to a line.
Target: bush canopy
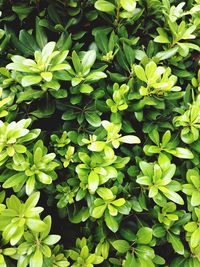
99	133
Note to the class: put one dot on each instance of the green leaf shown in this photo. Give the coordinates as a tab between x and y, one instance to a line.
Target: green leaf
22	10
144	235
176	243
144	180
183	153
93	119
29	94
191	227
98	212
111	222
44	178
102	41
40	34
14	180
28	40
161	39
36	259
128	5
88	60
95	76
166	138
48	50
93	181
30	185
36	225
69	115
147	168
86	88
104	6
195	200
121	246
32	201
153	191
195	238
150	69
130	139
159	231
139	71
119	202
130	260
105	193
51	240
76	62
167	54
154	136
172	195
47	76
97	146
30	80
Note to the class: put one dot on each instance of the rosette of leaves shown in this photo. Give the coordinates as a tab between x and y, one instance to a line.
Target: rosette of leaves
109	41
32	168
81	255
19	217
168	214
4	101
97	169
43	69
185	261
107	46
171	227
193	233
139	252
125	58
81	74
60	143
36	247
23	10
177	36
58	258
166	145
109	207
192	188
71	7
62	148
56	12
176	12
68	156
65	195
13	136
113	139
157	179
119	101
4	253
158	80
122	9
189	121
83	114
8	87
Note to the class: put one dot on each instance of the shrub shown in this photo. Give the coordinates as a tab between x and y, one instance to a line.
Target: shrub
99	133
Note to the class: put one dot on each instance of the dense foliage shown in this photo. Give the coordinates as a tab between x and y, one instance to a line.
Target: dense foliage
99	133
